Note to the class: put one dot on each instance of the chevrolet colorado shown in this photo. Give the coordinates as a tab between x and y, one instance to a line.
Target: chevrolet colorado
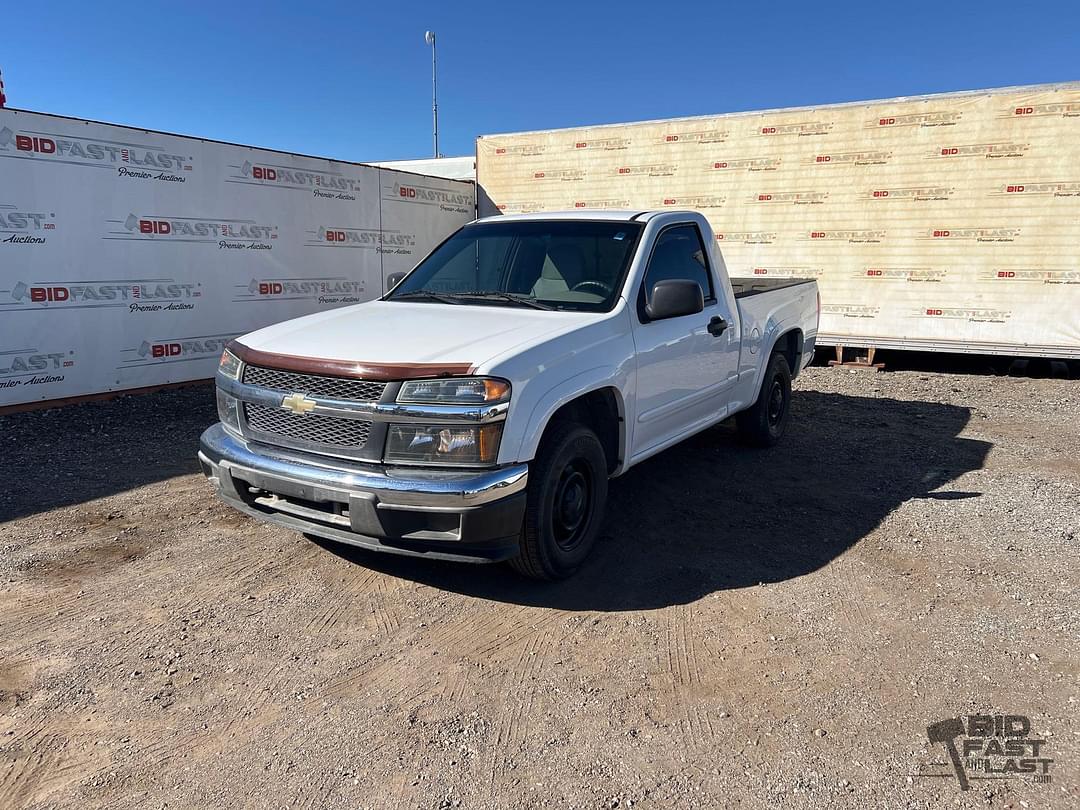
477	410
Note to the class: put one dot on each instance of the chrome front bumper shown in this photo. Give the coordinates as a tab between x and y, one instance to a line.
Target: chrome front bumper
453	513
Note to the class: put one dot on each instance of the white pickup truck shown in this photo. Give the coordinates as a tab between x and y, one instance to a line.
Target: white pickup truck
478	409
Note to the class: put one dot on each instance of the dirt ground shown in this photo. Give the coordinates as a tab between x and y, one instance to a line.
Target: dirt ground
756	629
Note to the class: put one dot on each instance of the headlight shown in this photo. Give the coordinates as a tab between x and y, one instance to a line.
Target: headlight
228	411
455	391
443	444
229	365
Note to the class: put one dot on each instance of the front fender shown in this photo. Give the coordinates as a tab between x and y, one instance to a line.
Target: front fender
524	434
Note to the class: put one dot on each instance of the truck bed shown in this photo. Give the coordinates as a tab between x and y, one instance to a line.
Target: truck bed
745	287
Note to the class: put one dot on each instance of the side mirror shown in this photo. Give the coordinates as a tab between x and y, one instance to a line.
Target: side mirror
674	297
393	280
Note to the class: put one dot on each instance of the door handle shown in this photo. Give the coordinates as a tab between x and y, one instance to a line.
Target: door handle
717	326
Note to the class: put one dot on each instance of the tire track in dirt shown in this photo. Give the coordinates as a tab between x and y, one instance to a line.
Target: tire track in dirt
29	623
483	638
32	763
519	693
352	598
167	745
692	720
257	708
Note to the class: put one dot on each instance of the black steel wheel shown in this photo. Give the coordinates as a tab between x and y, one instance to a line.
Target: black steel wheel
763	423
566	495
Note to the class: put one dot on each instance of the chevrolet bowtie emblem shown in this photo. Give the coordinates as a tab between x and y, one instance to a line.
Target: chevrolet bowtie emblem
298	404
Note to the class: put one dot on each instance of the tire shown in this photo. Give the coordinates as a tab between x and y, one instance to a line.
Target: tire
565	503
763	423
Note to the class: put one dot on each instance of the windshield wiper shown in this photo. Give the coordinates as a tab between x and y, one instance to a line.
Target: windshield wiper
426	295
514	298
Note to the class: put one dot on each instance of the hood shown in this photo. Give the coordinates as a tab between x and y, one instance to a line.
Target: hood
400	333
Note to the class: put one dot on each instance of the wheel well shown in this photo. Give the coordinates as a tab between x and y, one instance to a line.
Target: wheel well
599	411
790	344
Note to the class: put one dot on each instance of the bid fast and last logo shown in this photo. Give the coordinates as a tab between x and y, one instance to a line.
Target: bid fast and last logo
1029	275
988	747
227	234
382	241
138	161
969	314
456	202
328	291
330	185
967	234
21	226
155	351
135	296
944	118
24	367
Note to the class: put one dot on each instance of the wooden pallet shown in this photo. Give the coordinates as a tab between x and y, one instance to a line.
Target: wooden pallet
866	361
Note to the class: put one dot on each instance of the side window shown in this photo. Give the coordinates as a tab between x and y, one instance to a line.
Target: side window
679	254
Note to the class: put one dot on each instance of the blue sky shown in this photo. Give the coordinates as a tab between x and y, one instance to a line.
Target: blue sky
352	80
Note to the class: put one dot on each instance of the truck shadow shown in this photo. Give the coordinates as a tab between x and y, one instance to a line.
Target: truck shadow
711	514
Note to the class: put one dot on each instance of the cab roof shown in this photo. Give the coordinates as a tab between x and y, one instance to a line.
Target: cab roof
609	214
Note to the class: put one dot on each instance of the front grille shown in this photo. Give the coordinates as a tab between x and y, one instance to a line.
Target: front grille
313	386
327	431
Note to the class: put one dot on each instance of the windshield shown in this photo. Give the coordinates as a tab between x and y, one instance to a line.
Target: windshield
552	264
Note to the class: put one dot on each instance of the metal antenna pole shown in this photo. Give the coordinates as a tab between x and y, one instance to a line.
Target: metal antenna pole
429	38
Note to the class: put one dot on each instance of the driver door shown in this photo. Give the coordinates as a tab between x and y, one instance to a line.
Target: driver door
686	365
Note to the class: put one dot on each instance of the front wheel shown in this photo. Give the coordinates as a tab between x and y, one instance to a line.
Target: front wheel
566	495
763	423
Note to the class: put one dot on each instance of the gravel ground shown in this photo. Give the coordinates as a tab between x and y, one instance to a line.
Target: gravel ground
757	628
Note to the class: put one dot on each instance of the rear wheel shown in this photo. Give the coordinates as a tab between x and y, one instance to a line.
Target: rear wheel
763	423
566	495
